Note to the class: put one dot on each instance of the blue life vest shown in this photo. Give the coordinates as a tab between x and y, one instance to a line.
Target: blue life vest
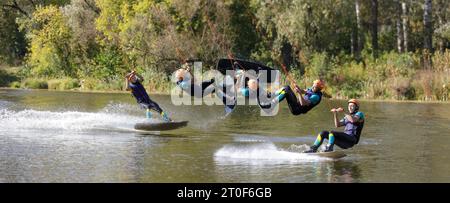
309	93
353	129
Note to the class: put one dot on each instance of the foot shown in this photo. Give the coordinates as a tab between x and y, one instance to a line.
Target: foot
165	117
313	149
329	149
148	114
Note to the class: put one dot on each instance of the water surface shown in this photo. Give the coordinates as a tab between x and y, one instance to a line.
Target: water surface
50	136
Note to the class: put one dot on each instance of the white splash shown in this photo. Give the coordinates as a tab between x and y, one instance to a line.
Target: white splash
264	152
66	120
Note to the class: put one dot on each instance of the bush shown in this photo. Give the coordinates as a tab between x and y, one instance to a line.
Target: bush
108	64
35	83
156	81
88	83
69	84
348	80
391	76
97	84
319	66
63	84
14	84
6	78
54	84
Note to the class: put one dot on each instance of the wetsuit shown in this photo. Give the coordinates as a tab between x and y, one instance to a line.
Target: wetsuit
227	93
294	105
194	89
346	139
207	87
266	102
142	98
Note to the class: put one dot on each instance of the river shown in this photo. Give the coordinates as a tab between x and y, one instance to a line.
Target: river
49	136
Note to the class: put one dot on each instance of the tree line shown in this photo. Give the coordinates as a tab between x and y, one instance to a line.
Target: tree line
99	40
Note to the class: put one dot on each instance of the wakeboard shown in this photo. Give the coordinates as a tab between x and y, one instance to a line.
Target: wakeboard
160	126
332	155
225	64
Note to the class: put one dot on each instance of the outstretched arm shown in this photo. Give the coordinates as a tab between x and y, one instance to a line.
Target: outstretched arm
337	124
301	100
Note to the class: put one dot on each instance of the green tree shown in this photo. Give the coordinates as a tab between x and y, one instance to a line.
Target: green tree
84	48
243	34
308	26
157	34
50	54
12	40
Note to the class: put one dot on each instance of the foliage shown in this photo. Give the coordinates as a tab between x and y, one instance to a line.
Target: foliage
34	83
50	48
92	44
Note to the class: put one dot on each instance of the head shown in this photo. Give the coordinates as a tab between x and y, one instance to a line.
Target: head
132	77
353	105
252	84
180	74
318	85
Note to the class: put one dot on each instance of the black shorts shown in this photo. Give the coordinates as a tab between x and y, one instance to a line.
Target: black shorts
341	139
292	100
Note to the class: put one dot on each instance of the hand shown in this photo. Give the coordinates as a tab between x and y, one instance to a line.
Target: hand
297	89
337	109
129	75
133	72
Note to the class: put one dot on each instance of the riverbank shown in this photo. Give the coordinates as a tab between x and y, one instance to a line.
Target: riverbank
83	91
391	77
167	94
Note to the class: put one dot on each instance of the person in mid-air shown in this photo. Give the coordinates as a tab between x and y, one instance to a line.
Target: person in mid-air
353	122
303	104
188	85
224	90
263	97
133	84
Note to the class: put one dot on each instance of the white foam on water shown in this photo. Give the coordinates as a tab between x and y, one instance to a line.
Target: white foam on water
249	138
122	108
254	138
29	119
265	152
4	104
